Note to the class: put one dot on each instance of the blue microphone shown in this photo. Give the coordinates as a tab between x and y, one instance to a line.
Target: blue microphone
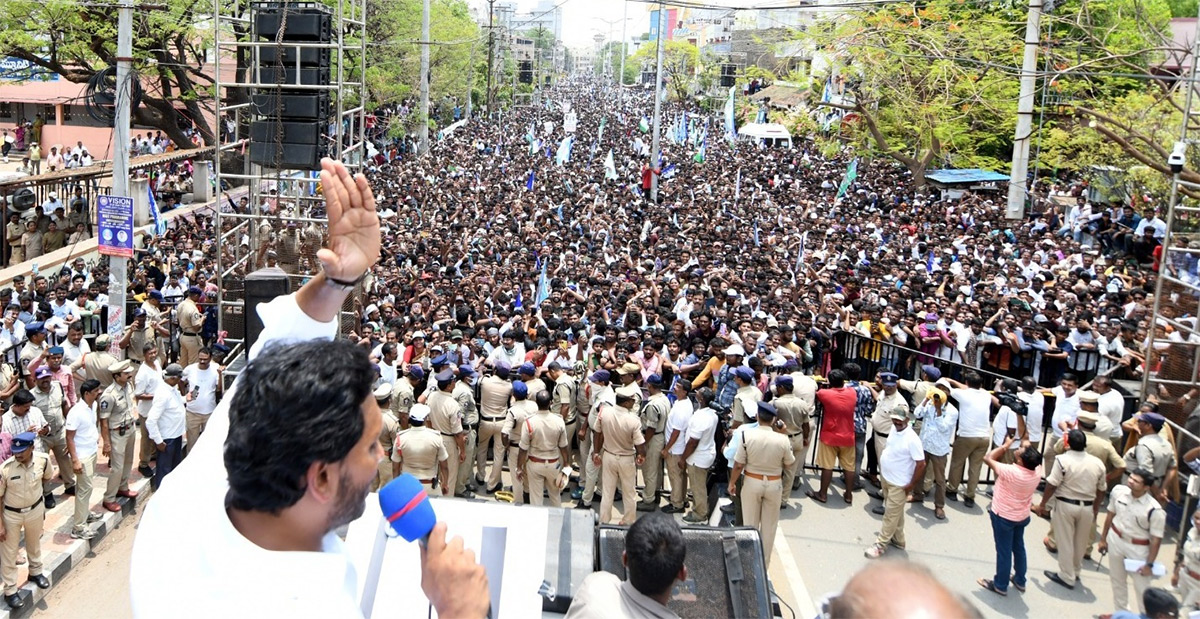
405	505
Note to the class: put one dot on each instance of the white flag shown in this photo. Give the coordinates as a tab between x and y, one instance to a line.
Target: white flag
610	168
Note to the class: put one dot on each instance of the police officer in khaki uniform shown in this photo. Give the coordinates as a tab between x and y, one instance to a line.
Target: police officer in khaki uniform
794	412
1097	445
620	447
191	321
1153	453
135	338
527	373
654	426
405	395
495	391
627	376
1077	484
49	398
464	393
420	451
117	431
1133	529
887	399
445	416
600	393
387	435
564	401
95	364
544	448
21	479
521	409
762	455
745	401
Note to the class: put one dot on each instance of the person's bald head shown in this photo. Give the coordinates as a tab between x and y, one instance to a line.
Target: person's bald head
899	590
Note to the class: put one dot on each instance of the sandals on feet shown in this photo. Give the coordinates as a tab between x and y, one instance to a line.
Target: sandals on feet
814	496
987	583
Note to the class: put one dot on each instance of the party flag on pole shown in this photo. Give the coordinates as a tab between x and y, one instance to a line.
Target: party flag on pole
610	168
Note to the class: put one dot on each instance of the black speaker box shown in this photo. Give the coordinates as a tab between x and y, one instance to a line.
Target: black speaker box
271	131
309	56
312	105
261	286
310	24
287	156
727	575
308	76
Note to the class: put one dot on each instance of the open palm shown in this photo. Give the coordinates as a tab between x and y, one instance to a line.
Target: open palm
353	223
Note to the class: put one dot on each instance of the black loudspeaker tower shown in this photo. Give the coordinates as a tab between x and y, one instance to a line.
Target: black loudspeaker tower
727	575
728	75
261	286
288	133
525	72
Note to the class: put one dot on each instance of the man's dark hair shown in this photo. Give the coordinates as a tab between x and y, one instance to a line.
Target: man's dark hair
837	379
654	553
89	385
1030	457
1160	603
973	379
290	412
1068	376
22	396
1076	440
852	371
542	399
1146	475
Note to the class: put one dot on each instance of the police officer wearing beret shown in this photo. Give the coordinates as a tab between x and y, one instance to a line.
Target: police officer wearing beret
762	455
21	479
446	416
116	412
420	452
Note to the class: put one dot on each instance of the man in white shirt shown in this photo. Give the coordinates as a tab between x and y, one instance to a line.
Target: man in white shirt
83	443
203	382
676	441
973	439
145	385
214	518
1066	409
700	453
901	468
165	423
1112	406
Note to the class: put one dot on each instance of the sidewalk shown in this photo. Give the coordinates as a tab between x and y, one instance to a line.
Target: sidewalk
61	552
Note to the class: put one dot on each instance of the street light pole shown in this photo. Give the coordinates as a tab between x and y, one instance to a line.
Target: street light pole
1018	183
487	98
655	153
624	22
118	266
424	131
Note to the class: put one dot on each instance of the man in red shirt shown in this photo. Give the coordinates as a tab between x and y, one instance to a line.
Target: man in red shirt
836	445
647	176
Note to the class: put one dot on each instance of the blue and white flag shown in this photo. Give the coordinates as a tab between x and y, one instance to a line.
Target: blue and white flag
160	224
730	123
668	172
756	242
529	181
564	151
543	286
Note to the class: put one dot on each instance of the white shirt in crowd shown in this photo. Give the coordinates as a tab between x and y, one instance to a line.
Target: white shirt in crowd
146	382
1035	407
167	417
974	412
82	420
703	427
203	386
1065	409
900	456
681	414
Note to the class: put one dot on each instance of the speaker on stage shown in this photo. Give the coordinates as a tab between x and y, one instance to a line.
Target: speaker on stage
727	575
262	286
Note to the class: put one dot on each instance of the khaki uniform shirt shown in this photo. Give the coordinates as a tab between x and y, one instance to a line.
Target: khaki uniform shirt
1102	448
793	411
445	414
655	414
51	405
543	434
881	420
515	417
419	450
464	394
764	451
1078	475
29	352
494	394
622	430
137	341
805	388
745	403
535	385
96	364
1136	518
191	319
403	397
1154	454
21	484
387	434
564	394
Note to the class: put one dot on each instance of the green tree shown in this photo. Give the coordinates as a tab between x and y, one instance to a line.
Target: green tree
170	44
680	61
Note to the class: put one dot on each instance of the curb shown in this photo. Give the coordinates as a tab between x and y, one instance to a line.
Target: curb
57	563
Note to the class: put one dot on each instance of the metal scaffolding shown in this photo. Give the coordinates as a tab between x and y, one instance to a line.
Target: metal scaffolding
284	222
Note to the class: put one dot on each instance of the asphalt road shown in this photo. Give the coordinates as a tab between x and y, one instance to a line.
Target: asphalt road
99	587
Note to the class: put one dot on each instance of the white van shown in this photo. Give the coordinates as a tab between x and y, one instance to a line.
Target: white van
771	134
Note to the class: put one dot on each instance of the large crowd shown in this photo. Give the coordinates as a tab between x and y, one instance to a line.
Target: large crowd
762	310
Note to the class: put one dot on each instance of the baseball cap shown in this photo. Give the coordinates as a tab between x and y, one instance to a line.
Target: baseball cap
456	334
784	381
744	373
654	379
383	391
735	349
527	369
43	372
418	412
173	369
599	376
932	371
417	372
465	371
23	441
766	408
520	389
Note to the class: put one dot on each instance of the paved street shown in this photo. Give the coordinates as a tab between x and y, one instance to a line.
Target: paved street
827	542
99	587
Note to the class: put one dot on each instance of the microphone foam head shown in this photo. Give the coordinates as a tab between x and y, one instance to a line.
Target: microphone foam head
405	505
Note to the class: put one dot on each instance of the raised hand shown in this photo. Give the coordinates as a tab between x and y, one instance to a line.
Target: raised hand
353	223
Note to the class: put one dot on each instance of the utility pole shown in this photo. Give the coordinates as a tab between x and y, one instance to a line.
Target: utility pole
491	58
624	22
655	153
424	132
1018	183
118	266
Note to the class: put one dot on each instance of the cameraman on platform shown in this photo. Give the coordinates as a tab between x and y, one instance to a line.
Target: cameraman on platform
298	435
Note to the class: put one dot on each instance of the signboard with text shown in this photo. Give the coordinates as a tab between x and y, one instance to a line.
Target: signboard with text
115	215
21	70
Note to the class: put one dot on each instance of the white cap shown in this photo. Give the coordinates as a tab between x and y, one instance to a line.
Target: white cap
735	349
419	334
383	391
418	412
